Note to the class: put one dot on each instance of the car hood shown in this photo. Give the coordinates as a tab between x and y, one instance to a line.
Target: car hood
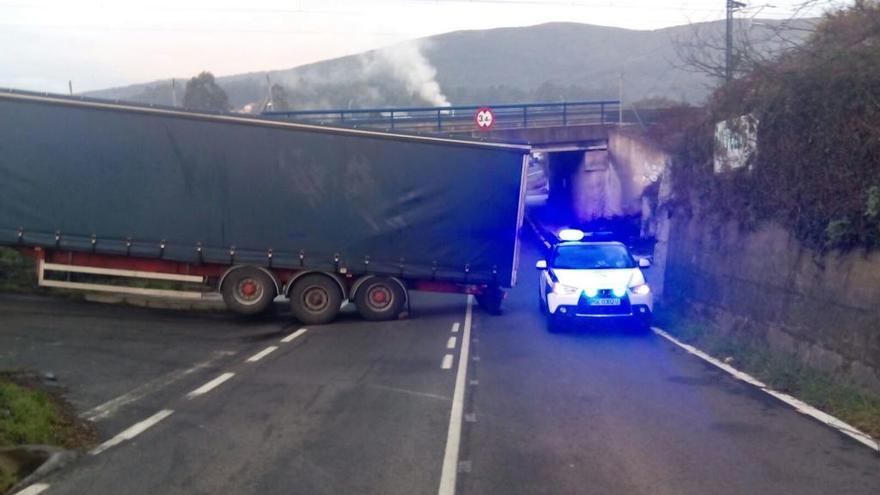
600	279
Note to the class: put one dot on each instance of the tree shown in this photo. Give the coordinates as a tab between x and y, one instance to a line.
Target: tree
203	93
756	42
655	102
816	171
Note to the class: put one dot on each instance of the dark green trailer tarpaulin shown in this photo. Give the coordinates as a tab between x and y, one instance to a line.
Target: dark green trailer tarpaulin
124	179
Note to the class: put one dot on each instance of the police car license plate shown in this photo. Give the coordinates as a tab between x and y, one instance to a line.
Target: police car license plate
606	301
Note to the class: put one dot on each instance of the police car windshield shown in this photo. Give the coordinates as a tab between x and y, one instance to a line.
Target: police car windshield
592	257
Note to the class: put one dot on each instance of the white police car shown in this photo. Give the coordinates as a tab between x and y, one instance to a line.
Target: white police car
594	280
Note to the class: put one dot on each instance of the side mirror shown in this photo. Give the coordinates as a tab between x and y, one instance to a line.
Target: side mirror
541	265
644	263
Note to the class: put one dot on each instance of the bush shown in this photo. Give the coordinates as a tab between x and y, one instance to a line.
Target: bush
817	170
16	271
27	416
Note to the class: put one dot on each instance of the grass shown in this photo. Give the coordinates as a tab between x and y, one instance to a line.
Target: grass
6	481
30	414
16	271
782	372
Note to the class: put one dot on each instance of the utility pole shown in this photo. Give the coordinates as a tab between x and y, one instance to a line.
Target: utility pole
173	92
270	102
70	86
732	6
620	99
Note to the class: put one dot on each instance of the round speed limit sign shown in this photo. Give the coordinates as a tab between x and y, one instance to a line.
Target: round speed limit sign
484	118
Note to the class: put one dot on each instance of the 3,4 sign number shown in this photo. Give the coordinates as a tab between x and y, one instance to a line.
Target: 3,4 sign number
484	118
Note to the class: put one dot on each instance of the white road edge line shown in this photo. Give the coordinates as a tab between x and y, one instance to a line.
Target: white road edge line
453	437
447	362
34	489
798	405
132	431
260	355
294	335
210	385
450	344
543	239
455	327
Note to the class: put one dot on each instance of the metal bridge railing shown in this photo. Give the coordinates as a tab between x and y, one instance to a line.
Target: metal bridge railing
462	118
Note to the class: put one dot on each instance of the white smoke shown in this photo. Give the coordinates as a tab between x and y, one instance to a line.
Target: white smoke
373	79
406	63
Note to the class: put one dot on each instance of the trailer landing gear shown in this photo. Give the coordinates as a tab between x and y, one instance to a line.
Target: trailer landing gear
490	300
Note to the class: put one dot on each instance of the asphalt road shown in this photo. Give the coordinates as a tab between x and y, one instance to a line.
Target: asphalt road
357	407
606	412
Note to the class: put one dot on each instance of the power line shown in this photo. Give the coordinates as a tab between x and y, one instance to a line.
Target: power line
291	32
159	8
610	4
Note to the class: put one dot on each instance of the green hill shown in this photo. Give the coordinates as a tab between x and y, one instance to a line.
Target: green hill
547	62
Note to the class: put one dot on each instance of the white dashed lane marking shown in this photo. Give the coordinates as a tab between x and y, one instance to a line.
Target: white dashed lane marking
148	423
260	355
108	408
133	431
294	335
204	389
449	473
447	362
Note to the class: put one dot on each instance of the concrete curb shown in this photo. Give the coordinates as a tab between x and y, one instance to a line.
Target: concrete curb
796	404
548	243
56	458
211	302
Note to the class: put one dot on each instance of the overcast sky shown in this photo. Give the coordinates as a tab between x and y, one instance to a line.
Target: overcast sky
99	44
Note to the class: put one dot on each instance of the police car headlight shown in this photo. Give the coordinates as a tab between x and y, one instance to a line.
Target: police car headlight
591	291
561	289
640	289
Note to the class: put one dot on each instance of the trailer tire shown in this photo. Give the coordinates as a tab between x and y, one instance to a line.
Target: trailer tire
248	291
380	299
315	299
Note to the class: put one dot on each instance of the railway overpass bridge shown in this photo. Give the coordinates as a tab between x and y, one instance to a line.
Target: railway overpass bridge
567	138
565	126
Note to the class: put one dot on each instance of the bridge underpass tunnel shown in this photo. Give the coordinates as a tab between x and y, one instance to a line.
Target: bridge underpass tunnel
561	169
588	190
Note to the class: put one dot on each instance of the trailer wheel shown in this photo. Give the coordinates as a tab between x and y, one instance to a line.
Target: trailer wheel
380	299
315	299
248	291
491	300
